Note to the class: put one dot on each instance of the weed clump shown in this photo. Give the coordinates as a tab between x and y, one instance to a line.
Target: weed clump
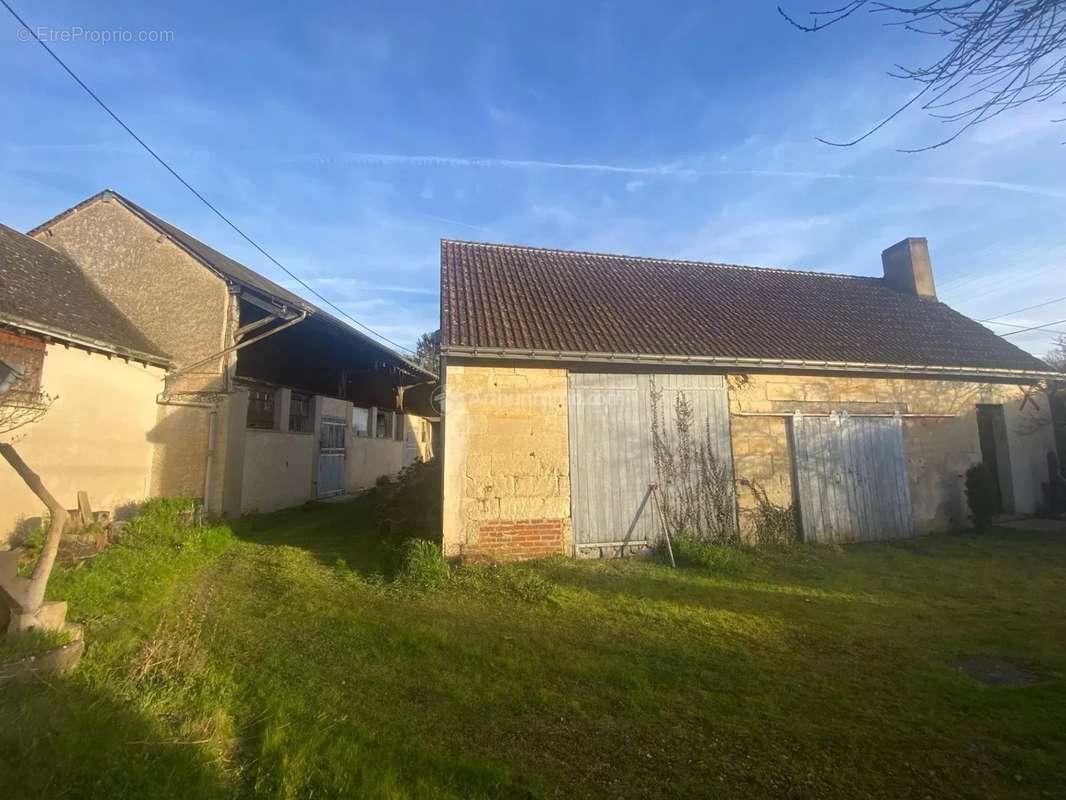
771	524
423	565
694	551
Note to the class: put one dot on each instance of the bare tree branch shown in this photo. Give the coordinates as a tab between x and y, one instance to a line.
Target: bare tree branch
1001	54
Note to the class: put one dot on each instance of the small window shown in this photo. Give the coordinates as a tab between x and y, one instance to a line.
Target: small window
331	434
398	433
383	425
261	409
300	414
360	422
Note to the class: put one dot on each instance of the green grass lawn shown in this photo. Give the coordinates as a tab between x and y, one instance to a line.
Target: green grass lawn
244	661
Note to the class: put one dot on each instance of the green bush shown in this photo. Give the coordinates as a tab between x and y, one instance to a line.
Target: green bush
981	495
424	566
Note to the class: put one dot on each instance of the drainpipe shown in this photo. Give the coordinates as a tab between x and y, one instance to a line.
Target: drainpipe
211	425
213	406
212	411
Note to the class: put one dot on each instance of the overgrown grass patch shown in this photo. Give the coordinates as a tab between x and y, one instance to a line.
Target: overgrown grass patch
34	642
263	668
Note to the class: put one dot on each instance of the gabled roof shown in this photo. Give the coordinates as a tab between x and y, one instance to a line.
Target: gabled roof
505	300
43	291
236	273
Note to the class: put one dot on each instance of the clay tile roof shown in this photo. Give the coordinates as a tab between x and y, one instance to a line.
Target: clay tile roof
43	290
497	296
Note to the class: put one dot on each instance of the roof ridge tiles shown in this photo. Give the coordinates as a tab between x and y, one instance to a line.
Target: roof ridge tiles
656	260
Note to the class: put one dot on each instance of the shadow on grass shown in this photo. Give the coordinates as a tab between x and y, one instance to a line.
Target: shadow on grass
366	532
61	739
348	531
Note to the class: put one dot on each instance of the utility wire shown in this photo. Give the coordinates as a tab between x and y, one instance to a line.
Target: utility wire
189	186
1015	325
1012	333
994	286
1017	310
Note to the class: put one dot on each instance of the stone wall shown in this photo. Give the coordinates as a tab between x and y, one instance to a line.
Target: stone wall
182	307
938	449
277	470
506	462
506	451
168	295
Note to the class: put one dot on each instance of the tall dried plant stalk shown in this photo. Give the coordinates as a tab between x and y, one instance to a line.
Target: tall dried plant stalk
695	484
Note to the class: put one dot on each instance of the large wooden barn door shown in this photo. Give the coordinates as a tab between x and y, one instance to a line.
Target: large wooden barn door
611	459
851	478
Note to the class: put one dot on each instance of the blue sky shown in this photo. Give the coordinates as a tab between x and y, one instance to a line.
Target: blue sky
349	138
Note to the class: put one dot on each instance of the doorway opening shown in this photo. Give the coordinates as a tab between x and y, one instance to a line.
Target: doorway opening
992	431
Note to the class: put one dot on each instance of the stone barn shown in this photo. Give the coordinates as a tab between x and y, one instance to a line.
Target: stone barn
858	401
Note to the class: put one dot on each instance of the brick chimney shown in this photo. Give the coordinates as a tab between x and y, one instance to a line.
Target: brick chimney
907	267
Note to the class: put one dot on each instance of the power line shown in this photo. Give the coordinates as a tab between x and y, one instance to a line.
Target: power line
1012	333
1027	308
1015	325
189	186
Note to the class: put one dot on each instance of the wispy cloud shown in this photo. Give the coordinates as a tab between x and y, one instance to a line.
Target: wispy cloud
675	170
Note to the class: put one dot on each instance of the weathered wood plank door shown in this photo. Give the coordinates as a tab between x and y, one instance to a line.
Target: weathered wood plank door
851	478
611	458
331	462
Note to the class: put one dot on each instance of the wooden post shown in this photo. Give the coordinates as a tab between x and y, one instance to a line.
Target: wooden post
85	510
34	595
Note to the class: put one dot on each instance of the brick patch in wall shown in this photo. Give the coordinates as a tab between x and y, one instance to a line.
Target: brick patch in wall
507	540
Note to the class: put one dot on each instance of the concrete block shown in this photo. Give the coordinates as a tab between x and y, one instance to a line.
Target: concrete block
519	508
536	486
479	465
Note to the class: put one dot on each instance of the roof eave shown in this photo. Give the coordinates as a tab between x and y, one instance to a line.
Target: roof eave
753	364
85	342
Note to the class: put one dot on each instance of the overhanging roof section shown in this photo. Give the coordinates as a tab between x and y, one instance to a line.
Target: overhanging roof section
235	273
42	291
505	301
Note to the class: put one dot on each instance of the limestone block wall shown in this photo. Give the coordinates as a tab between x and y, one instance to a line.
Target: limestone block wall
506	462
174	300
938	450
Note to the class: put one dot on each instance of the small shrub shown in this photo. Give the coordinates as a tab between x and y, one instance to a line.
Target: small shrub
981	495
424	566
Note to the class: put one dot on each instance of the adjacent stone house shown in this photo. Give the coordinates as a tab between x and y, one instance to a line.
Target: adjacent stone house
861	401
267	400
92	373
